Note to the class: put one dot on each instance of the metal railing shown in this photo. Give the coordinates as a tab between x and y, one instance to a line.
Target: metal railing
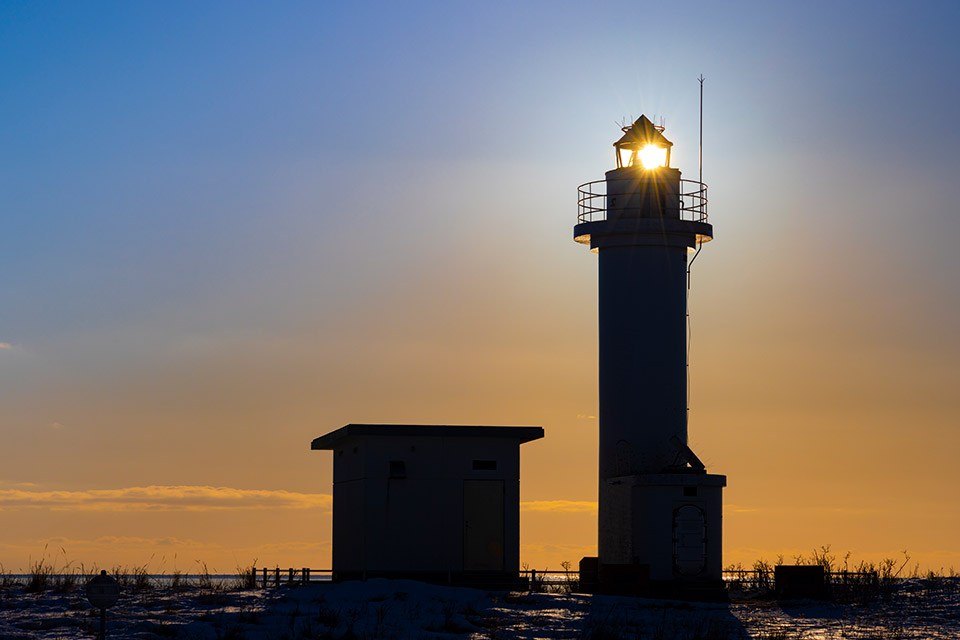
836	583
277	576
592	200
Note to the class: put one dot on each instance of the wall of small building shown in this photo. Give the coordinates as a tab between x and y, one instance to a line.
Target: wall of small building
405	505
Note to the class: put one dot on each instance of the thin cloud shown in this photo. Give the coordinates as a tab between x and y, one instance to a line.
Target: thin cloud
804	511
20	485
162	498
167	553
6	345
736	508
134	542
573	549
559	506
294	546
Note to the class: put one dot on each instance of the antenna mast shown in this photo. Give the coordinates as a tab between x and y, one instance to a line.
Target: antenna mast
701	128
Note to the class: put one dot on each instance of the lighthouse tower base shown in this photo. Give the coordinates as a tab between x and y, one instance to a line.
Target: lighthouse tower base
659	536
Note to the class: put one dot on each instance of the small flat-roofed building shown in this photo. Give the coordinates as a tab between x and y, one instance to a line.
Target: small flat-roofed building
438	503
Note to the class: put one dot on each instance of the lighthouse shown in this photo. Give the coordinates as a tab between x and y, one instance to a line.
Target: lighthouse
659	520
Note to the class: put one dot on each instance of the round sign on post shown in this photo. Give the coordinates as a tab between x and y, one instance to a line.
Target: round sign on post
103	592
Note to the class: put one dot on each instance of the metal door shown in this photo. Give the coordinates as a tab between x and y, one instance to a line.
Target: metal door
483	525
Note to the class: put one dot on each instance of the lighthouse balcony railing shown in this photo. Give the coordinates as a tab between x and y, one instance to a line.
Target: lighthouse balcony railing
592	201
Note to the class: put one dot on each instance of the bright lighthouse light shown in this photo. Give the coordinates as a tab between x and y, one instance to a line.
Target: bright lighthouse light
643	146
652	156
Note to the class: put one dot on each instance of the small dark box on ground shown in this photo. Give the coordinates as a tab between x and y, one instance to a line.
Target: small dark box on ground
795	582
589	574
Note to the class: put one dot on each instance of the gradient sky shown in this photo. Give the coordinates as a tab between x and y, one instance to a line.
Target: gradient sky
230	227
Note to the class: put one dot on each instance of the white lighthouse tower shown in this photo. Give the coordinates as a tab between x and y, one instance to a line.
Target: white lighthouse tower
659	510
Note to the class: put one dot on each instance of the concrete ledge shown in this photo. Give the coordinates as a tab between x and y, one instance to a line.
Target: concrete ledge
642	231
479	579
521	434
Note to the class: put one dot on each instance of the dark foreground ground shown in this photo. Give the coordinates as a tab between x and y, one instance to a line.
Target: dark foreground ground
400	609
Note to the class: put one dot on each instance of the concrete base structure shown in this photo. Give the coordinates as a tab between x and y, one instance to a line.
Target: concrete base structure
669	522
660	536
496	580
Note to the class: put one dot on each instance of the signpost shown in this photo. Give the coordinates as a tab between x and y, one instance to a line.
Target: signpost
103	592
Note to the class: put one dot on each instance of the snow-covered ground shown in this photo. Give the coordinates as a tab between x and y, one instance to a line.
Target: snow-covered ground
407	610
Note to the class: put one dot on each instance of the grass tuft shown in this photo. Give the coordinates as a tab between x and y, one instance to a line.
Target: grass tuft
39	578
247	576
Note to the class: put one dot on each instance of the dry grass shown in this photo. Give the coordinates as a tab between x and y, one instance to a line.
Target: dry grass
54	573
845	581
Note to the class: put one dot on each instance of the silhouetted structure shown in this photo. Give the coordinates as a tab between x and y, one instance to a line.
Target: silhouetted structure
796	582
659	528
435	503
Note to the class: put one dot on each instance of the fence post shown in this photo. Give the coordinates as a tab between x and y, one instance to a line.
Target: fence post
290	575
264	577
305	575
277	575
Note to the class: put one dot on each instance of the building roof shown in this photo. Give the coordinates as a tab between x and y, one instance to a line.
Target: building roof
519	434
643	132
